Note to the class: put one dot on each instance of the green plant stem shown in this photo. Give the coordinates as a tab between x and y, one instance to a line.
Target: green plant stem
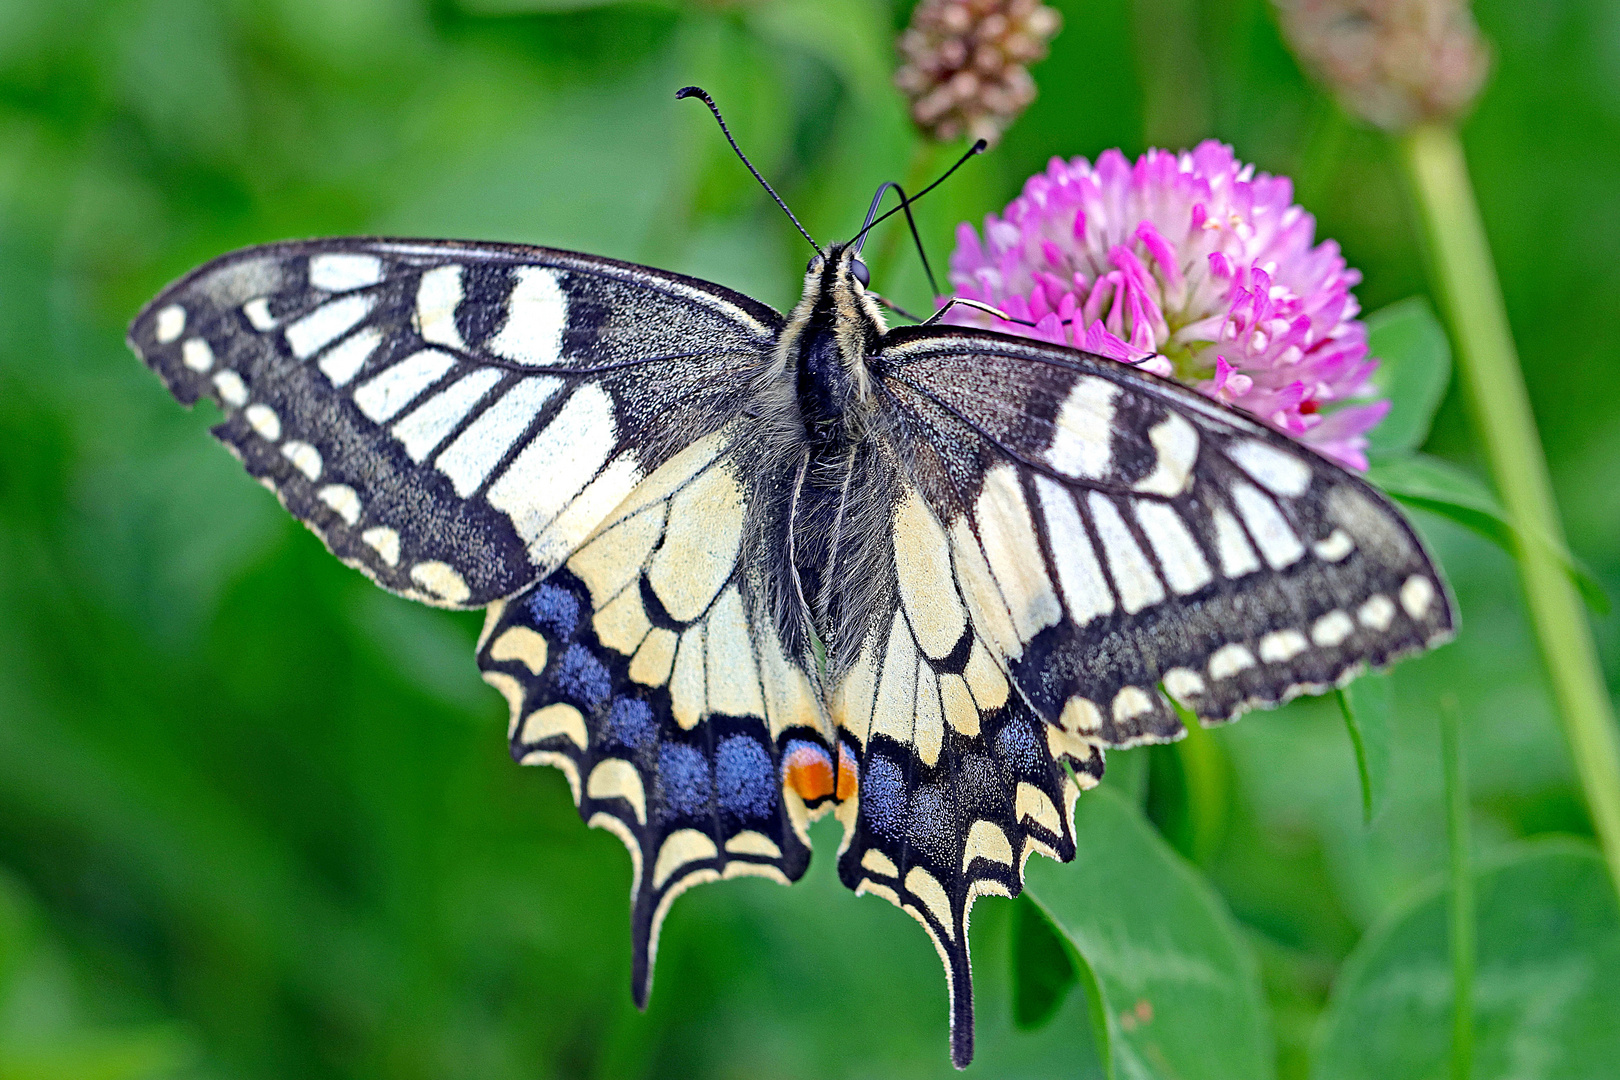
1462	893
1465	278
1359	745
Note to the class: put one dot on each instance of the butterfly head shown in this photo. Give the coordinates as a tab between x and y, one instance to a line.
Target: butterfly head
830	335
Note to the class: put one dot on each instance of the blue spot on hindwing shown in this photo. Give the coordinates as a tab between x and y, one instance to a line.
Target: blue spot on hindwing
555	610
744	777
582	677
630	723
883	797
684	784
1016	744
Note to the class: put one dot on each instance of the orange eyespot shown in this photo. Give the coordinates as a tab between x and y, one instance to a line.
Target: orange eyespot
807	769
849	777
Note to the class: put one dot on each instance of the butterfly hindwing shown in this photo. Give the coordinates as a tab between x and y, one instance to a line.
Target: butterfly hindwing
960	781
451	418
641	669
1123	534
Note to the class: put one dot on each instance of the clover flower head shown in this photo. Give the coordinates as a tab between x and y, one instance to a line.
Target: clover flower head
1192	266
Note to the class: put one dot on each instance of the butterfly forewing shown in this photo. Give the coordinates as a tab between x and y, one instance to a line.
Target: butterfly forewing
1125	534
452	418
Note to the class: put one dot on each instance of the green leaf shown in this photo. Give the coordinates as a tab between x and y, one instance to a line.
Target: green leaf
1042	971
1366	706
1545	999
1435	485
1413	374
1175	990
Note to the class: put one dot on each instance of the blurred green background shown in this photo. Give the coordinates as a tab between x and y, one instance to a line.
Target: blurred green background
257	819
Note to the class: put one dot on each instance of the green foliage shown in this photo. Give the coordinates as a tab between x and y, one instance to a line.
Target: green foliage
1442	488
262	816
1043	972
1544	1000
1365	706
1413	374
1174	988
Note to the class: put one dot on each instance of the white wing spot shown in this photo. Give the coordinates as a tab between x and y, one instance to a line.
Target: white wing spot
430	423
1085	590
342	271
1278	471
687	694
1376	613
1228	660
1416	596
1183	683
1280	646
197	355
529	648
1081	715
683	847
1268	527
258	314
344	501
1337	545
310	334
749	842
1131	702
650	666
553	720
1180	557
385	542
468	460
557	464
1007	533
1138	585
1083	433
729	654
437	297
305	458
700	544
1033	803
343	361
1236	556
615	778
170	324
441	580
1332	629
398	386
986	841
922	563
263	419
894	713
874	860
1175	441
232	390
926	887
536	313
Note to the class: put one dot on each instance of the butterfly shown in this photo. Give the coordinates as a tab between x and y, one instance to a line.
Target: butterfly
742	570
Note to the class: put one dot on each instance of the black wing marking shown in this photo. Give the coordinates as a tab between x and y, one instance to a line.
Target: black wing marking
1124	533
452	418
641	669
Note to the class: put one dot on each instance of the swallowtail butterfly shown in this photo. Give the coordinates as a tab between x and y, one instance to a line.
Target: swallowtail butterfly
742	570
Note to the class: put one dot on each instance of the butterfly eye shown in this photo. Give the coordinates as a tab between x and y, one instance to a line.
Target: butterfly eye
862	274
810	267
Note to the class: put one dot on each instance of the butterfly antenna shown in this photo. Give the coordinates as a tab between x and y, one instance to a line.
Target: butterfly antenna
703	95
905	205
977	148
